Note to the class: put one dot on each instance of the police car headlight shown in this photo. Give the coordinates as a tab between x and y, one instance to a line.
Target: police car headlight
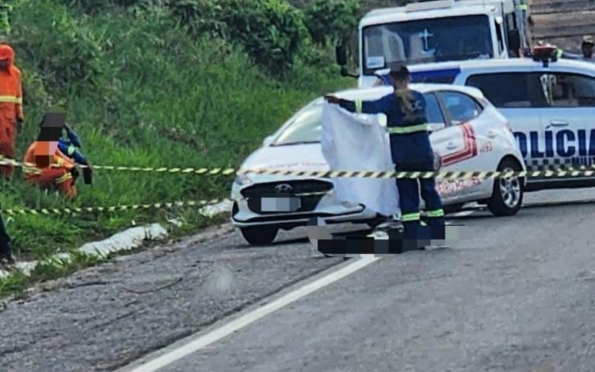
243	180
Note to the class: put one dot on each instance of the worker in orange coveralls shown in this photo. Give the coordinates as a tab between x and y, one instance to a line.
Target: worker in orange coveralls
11	106
45	165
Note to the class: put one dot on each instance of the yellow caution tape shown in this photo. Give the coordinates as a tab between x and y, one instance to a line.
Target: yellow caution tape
206	171
557	173
439	175
117	208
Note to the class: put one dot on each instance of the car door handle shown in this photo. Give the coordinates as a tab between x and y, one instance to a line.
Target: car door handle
558	123
492	134
451	146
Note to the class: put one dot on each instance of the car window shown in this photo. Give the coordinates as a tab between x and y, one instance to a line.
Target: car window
569	90
447	76
461	107
510	89
304	127
433	111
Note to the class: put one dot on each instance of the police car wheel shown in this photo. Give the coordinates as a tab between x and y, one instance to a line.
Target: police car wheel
507	195
259	235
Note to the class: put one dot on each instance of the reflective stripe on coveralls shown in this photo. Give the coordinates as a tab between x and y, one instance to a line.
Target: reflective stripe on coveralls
62	160
358	106
407	130
410	217
31	170
435	213
63	178
11	99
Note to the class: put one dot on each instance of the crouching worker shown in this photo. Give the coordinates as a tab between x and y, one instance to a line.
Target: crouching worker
51	162
411	152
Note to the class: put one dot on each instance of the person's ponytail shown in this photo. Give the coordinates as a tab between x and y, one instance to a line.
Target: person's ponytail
406	99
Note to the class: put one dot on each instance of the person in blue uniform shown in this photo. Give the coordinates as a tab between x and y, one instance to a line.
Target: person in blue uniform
71	147
411	150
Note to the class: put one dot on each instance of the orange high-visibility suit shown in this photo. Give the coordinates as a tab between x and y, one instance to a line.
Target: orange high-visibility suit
11	106
57	176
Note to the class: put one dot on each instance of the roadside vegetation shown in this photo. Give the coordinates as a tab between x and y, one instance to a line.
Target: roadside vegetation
160	83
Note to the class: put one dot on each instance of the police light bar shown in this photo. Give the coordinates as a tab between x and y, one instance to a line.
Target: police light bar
544	54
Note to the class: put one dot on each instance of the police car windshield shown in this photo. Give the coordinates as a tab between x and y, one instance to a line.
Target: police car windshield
304	127
426	40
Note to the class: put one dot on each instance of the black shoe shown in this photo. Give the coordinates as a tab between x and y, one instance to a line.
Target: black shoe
390	225
6	256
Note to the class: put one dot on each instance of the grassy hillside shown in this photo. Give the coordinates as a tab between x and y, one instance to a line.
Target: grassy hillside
156	84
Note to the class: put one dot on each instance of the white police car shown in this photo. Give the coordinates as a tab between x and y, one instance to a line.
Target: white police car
550	105
468	133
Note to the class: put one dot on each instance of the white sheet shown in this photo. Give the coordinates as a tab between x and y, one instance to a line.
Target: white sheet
359	143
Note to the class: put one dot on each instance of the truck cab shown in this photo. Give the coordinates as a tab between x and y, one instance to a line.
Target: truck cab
437	31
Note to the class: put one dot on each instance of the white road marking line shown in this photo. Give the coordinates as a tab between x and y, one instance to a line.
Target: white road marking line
253	316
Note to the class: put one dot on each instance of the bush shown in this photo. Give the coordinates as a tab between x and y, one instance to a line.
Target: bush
271	31
200	16
73	55
332	20
141	91
94	7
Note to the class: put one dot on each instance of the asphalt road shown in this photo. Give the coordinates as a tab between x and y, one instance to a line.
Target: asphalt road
514	294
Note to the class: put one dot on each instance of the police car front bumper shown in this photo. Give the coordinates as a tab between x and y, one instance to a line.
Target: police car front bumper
324	206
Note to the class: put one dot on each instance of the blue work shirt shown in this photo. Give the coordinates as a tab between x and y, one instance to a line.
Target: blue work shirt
70	147
409	136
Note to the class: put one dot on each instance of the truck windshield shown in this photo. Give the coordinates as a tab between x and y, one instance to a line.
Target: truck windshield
426	40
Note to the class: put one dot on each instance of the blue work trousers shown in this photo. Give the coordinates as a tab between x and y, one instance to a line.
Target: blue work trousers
409	193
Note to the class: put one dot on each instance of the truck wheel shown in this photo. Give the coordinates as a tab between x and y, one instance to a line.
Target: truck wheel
507	196
259	235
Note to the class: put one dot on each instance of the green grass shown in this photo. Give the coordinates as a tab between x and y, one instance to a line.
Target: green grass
141	92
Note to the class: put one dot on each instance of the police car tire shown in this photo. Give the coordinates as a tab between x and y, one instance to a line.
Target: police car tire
259	235
496	204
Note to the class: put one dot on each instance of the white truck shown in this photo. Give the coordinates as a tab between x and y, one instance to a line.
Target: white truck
436	31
